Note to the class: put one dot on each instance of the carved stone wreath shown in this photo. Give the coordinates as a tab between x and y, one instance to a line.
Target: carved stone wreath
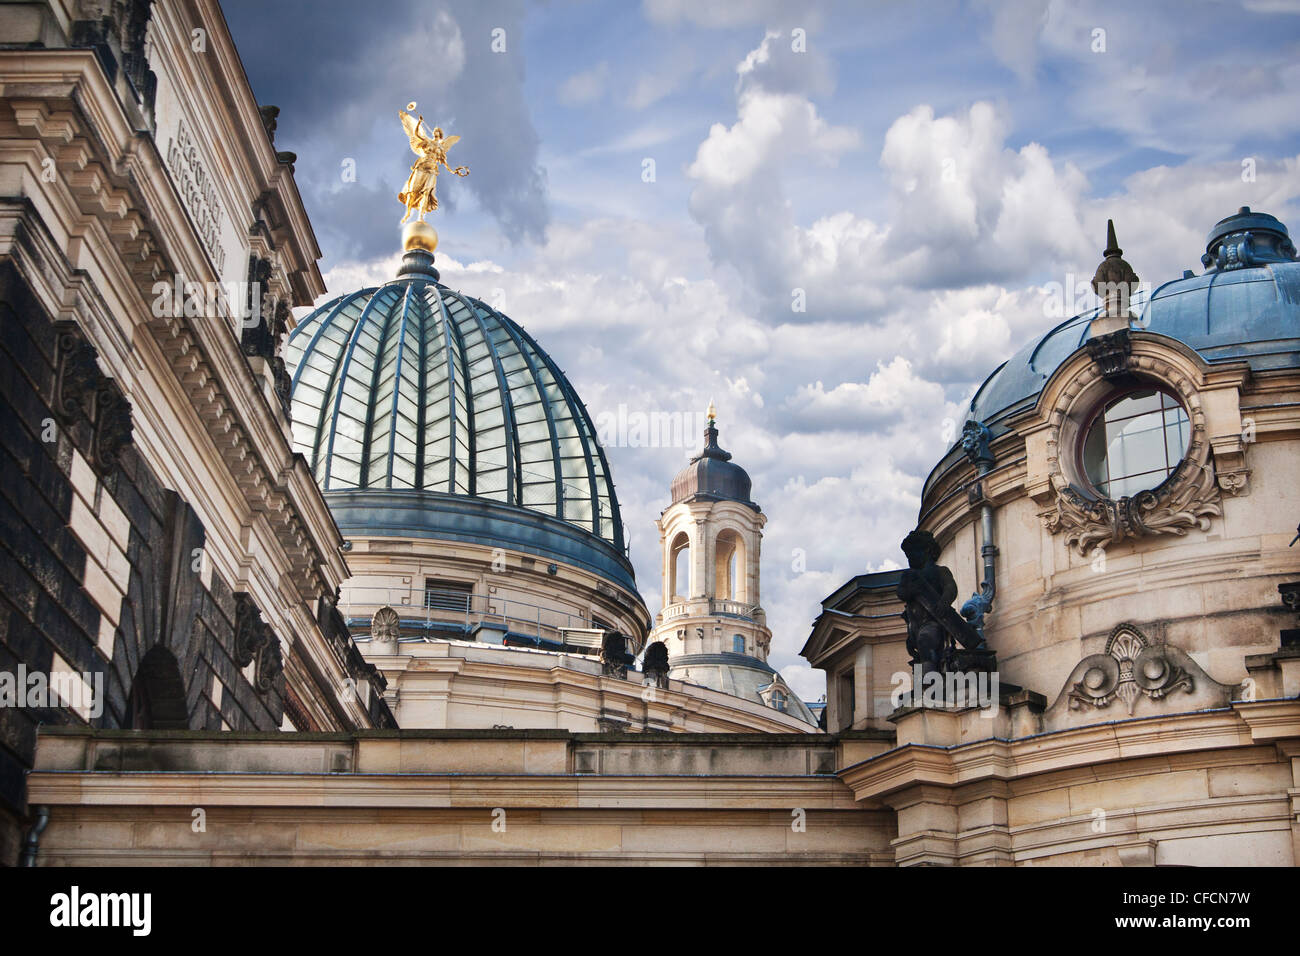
1186	500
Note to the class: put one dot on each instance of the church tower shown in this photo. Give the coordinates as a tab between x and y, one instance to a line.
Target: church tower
712	622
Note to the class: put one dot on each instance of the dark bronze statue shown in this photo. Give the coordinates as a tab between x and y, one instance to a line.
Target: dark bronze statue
655	664
927	590
614	657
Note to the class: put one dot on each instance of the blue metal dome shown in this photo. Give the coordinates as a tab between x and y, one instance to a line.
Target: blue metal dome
426	412
1246	306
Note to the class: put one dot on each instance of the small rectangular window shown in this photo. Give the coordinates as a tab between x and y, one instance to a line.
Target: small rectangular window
847	697
447	595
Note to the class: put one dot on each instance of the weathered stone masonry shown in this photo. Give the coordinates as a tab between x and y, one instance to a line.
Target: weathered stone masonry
100	564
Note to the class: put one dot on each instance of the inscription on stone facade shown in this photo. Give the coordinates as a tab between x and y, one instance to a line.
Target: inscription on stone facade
198	191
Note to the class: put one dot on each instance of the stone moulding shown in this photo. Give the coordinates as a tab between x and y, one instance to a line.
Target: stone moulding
1188	499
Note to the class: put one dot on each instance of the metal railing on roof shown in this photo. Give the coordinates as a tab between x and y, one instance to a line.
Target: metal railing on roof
431	611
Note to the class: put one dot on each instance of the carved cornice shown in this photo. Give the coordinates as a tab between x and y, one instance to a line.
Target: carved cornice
105	186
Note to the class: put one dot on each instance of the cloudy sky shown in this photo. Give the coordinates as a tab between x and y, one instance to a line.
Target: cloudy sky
834	219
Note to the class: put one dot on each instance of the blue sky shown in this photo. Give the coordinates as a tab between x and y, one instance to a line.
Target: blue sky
920	172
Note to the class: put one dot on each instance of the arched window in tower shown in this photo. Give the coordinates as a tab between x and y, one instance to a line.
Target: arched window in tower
729	568
738	644
679	565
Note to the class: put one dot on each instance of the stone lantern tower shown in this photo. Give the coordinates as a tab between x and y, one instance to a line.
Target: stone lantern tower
712	622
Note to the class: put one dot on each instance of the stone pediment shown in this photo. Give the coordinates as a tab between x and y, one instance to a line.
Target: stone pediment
1132	678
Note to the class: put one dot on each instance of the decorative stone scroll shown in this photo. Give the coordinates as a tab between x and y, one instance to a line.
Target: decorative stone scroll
270	665
1131	669
256	642
81	388
1187	500
1128	668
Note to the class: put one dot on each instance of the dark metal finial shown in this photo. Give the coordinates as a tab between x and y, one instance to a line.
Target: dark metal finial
1112	250
1115	282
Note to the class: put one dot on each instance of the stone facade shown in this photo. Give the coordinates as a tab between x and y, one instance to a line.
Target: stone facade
465	685
1216	788
160	535
161	539
438	797
1206	581
1148	704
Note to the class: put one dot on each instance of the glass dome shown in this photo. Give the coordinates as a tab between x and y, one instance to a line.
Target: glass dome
413	387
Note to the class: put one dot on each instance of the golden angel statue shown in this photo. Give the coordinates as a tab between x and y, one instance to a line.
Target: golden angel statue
418	194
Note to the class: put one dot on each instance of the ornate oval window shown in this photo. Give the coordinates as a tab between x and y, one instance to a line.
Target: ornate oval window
1126	448
1134	443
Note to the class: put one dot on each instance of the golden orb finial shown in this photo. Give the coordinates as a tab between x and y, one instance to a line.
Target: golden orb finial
419	235
712	412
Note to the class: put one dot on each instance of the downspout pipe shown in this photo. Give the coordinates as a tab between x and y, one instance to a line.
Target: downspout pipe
975	437
32	841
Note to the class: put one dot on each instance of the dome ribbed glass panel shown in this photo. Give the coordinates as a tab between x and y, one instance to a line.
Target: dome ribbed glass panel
413	386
